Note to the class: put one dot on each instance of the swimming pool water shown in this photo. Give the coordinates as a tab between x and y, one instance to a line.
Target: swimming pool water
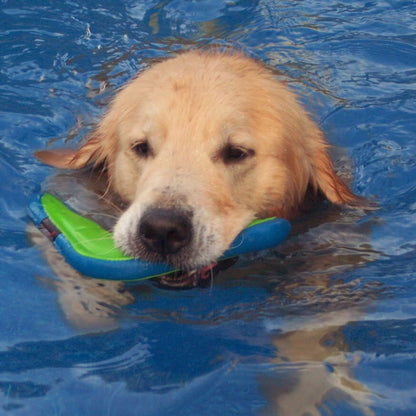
325	324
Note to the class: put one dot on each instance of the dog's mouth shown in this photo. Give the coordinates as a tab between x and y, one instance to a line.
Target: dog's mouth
202	277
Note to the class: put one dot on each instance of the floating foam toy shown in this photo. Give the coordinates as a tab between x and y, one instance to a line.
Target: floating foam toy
90	249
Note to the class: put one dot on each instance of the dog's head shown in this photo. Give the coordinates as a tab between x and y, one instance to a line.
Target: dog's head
200	145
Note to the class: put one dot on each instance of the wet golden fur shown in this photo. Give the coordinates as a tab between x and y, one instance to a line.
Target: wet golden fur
224	140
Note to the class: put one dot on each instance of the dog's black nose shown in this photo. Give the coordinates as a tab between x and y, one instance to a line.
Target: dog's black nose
165	231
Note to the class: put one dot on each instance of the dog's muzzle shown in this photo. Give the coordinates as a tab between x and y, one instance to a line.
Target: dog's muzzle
166	235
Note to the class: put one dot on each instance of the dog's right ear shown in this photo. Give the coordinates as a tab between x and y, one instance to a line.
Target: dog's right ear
95	151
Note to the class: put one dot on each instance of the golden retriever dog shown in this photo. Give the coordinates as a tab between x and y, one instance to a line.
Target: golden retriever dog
200	145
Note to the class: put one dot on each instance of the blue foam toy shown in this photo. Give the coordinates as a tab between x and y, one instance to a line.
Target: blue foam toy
90	249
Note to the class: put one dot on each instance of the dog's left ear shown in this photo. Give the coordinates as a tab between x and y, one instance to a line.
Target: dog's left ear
332	186
69	158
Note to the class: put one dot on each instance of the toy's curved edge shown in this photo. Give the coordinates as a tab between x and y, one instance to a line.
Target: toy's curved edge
126	270
263	236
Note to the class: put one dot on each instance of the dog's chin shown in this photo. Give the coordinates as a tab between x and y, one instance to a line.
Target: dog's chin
182	261
188	272
187	259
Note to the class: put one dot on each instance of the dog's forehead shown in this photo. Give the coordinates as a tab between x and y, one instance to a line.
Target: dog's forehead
185	113
191	80
200	100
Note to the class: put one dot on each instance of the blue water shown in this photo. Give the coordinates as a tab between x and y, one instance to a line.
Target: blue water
325	324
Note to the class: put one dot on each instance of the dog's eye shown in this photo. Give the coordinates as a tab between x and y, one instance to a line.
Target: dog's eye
141	149
235	154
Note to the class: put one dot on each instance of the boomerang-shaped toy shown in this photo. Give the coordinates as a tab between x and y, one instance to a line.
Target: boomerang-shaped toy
90	249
